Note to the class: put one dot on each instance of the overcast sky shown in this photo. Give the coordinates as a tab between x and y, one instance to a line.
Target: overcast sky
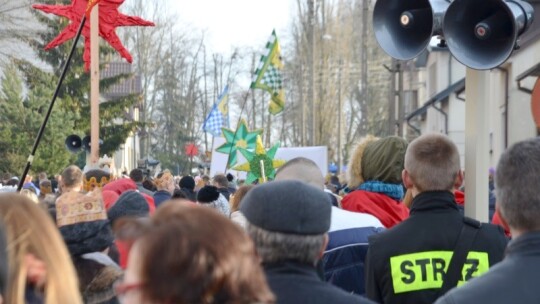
235	22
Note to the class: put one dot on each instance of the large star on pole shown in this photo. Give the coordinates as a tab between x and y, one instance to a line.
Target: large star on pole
109	20
241	138
260	164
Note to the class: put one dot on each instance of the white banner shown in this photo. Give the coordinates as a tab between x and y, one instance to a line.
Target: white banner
317	154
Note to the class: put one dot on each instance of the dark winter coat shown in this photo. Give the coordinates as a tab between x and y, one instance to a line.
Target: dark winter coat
298	283
161	196
406	264
514	280
97	275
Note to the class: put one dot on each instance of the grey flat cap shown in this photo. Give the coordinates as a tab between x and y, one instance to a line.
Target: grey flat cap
288	206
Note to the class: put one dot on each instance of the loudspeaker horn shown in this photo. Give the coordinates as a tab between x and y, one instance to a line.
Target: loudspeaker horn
404	28
86	142
73	143
483	34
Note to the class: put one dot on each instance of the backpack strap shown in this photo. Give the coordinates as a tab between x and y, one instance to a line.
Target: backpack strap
463	246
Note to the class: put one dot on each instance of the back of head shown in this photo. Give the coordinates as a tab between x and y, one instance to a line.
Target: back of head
187	182
130	204
432	162
82	221
136	175
42	176
72	176
31	232
221	181
383	159
186	262
288	220
517	180
237	197
163	180
302	169
207	194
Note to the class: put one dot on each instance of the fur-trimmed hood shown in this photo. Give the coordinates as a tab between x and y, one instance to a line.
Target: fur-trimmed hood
97	275
355	178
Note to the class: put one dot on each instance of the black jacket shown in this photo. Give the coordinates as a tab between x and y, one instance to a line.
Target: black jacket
406	264
514	280
298	283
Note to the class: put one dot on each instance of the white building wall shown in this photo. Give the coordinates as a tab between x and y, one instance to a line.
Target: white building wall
520	121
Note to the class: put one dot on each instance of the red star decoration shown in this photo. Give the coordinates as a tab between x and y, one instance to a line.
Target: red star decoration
109	20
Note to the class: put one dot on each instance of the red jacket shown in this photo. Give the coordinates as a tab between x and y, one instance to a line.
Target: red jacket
389	211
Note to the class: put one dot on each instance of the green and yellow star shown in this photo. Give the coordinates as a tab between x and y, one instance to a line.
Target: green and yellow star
241	138
260	164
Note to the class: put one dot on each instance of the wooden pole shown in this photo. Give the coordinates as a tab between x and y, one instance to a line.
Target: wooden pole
94	86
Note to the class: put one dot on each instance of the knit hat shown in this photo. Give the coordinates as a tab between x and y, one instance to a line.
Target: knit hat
288	206
120	185
109	198
207	194
83	222
383	160
187	182
130	203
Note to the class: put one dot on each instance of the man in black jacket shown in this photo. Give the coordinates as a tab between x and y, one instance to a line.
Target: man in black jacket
515	279
408	263
288	222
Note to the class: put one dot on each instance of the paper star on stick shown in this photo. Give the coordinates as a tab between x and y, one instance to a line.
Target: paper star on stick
241	138
109	20
261	164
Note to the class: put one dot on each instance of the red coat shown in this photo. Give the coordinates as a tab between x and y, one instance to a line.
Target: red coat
389	211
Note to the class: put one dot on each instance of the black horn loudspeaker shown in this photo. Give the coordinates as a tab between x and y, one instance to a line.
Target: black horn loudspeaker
483	34
73	143
403	28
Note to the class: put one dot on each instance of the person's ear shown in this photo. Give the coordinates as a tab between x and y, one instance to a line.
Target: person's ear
36	270
459	180
407	181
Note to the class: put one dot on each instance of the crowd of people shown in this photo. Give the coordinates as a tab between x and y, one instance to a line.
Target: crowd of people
392	232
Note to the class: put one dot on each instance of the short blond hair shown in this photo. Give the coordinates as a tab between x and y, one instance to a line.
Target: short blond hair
432	161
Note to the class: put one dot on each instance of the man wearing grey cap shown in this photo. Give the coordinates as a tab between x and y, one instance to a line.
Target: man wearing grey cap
288	221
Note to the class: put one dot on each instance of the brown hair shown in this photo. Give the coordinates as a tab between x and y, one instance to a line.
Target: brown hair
432	161
221	180
30	230
237	197
193	254
72	176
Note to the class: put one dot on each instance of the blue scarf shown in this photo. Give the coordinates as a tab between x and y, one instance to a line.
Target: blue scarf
394	191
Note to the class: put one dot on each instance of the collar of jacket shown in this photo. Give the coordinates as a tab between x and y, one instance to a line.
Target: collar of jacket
434	200
526	244
291	267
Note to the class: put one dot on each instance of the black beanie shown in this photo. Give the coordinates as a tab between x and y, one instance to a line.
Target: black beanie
130	203
207	194
187	182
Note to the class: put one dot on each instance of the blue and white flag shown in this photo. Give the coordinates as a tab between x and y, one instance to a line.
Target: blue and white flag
219	115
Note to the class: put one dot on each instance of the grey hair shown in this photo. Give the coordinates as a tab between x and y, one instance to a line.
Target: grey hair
517	178
277	247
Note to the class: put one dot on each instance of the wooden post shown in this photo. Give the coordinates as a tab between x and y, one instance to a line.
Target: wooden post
477	144
94	86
